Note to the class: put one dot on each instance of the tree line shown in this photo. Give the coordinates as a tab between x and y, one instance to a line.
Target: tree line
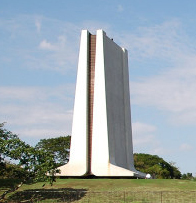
156	166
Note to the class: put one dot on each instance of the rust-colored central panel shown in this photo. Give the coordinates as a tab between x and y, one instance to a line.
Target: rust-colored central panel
91	76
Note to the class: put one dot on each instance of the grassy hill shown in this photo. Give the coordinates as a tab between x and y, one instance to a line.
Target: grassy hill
116	190
119	184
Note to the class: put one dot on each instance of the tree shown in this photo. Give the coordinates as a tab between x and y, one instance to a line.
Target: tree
188	176
155	165
37	163
12	171
58	147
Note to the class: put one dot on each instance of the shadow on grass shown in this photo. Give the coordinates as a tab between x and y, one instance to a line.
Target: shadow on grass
48	195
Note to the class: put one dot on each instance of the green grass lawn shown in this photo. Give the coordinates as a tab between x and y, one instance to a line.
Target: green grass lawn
119	184
98	190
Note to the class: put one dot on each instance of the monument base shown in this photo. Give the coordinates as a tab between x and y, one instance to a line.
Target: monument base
76	170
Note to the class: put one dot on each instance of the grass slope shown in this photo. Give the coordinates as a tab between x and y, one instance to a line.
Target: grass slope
99	190
119	185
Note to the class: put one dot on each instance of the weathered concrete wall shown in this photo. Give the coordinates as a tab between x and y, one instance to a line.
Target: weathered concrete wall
118	104
112	135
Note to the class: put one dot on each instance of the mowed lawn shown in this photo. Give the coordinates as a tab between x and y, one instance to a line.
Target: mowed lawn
103	190
118	185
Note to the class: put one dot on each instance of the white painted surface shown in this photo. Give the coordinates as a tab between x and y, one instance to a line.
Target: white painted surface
100	152
77	165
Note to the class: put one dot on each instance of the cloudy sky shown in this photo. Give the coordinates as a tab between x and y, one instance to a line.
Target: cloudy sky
39	44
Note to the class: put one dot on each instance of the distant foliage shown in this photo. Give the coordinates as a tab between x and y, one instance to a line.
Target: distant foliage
12	171
156	166
188	176
59	147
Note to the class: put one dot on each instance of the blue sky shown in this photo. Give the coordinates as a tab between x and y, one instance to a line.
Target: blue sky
39	45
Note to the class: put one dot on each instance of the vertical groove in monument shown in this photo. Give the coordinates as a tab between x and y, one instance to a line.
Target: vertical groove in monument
91	76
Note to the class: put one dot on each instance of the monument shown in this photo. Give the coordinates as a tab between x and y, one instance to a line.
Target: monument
101	141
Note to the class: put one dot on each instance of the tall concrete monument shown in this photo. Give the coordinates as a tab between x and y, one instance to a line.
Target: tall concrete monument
101	141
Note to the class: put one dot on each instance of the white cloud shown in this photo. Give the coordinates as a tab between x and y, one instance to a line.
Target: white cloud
60	45
160	150
186	147
146	140
53	45
144	137
172	89
38	24
42	133
143	128
168	92
37	109
45	48
120	8
46	45
159	41
171	92
92	26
